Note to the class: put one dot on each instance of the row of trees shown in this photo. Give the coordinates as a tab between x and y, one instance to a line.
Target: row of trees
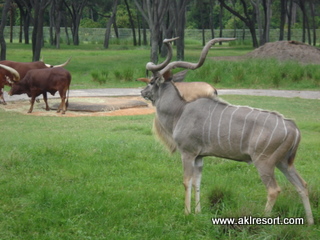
163	18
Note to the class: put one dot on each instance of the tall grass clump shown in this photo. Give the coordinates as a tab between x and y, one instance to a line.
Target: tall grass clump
100	76
125	74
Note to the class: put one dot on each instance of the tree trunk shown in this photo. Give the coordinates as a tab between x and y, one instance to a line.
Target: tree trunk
282	18
2	26
154	13
12	14
37	34
314	26
131	24
220	22
109	24
180	25
256	5
75	10
267	19
249	19
289	13
211	4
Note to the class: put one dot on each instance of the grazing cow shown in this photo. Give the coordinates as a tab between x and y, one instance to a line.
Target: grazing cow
211	127
22	68
41	81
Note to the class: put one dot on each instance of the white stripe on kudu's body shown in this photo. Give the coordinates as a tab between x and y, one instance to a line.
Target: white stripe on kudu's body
211	127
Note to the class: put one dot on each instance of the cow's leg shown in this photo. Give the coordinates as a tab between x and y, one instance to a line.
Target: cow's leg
1	97
45	99
293	176
196	182
188	162
63	102
32	102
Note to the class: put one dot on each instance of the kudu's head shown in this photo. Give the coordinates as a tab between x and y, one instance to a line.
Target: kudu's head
161	71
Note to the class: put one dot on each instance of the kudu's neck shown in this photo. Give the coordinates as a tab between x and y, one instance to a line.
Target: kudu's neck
169	105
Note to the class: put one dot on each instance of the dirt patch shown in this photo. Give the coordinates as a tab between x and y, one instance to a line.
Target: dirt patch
86	106
288	50
283	51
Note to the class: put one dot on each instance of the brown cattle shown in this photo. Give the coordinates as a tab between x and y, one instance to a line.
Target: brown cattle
22	68
41	81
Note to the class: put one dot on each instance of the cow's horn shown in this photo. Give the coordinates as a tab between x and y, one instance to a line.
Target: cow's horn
61	65
16	75
153	67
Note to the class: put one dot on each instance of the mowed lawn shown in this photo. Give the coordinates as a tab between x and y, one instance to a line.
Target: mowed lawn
108	178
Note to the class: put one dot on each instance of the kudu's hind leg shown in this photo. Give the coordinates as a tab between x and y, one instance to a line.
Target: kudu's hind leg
267	176
293	176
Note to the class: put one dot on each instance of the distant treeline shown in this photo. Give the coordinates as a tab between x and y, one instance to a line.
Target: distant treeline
97	35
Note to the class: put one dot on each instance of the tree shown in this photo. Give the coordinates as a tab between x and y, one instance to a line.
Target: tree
56	12
179	8
154	12
131	23
248	17
312	11
283	13
75	8
2	26
39	7
25	18
109	24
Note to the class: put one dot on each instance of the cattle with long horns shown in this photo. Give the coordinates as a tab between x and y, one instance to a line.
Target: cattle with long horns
7	79
41	81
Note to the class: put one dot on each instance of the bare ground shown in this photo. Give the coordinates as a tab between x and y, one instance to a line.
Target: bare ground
86	106
282	51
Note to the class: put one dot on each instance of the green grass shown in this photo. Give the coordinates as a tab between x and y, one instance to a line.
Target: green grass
125	63
258	73
107	178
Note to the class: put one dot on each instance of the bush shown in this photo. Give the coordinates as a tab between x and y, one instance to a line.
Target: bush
100	77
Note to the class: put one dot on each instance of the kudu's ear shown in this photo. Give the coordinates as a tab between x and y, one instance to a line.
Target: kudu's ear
158	78
167	75
145	80
161	80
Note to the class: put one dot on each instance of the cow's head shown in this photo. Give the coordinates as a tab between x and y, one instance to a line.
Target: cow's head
11	74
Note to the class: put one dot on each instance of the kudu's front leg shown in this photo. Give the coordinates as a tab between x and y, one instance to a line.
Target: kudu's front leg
192	168
196	181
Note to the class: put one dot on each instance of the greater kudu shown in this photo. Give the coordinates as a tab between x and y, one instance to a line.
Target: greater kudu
211	127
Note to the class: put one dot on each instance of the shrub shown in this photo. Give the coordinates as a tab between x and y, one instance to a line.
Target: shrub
100	77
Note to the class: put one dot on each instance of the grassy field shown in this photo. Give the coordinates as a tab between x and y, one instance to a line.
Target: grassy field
92	66
107	178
